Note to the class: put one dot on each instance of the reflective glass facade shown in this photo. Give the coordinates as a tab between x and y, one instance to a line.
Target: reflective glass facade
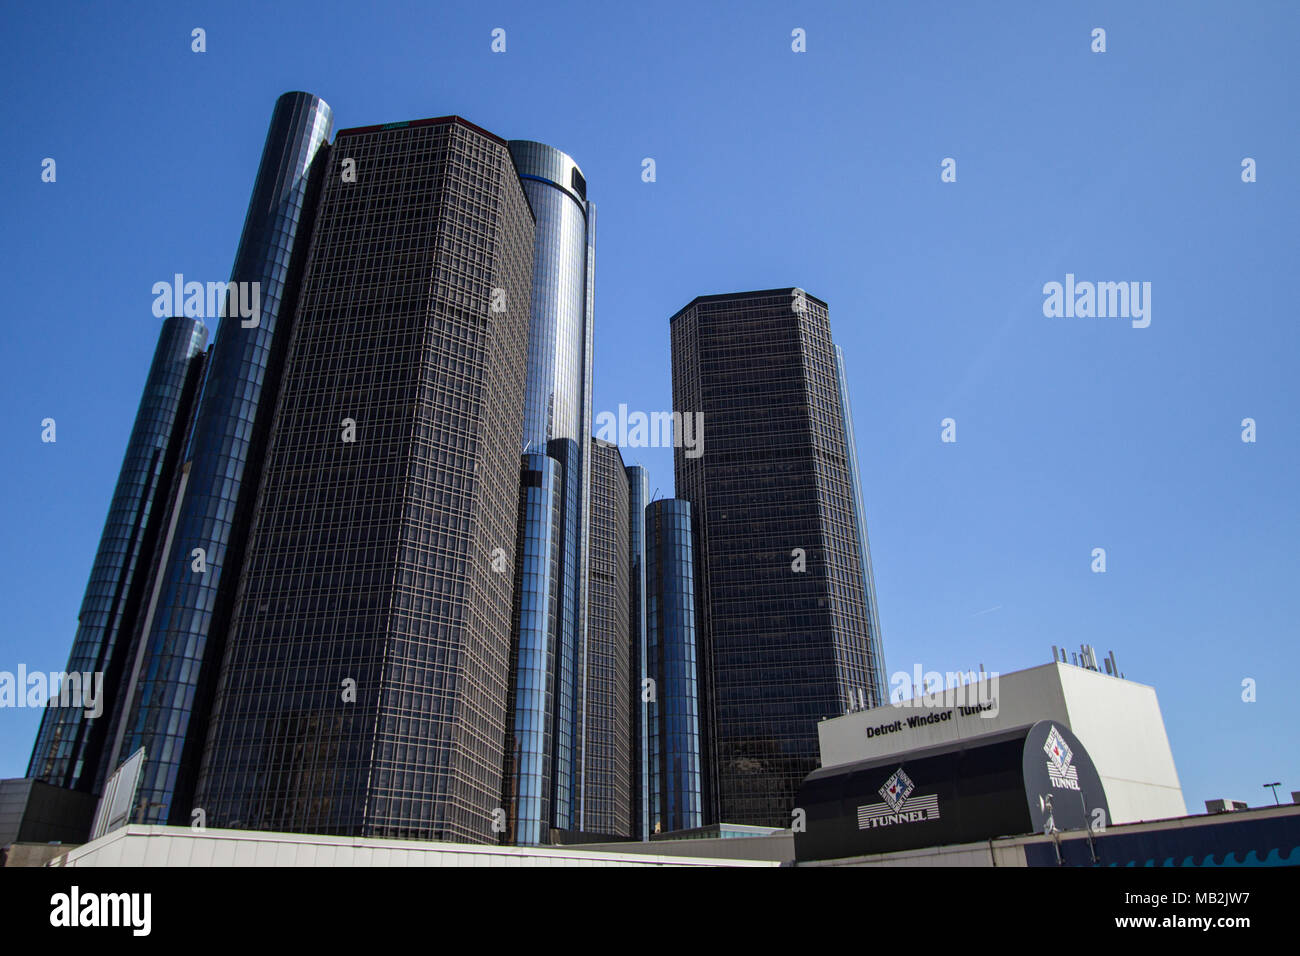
364	684
569	707
783	605
638	497
557	419
188	611
69	744
876	694
607	801
559	364
675	759
527	776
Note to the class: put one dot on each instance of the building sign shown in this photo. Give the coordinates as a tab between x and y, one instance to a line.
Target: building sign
899	806
1005	783
1056	765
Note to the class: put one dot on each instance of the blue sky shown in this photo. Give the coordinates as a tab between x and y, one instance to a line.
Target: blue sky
821	170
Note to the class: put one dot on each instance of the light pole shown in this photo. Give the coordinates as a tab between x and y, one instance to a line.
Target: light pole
1275	786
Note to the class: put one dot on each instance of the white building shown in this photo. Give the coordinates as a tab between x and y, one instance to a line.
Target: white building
136	845
1117	720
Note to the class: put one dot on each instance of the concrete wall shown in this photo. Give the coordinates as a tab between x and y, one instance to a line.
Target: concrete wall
1131	749
180	846
775	848
30	854
996	853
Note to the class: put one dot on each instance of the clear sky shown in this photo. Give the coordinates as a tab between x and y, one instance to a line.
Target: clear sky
774	168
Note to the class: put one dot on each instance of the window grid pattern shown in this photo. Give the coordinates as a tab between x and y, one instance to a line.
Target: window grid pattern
68	743
674	743
527	799
608	765
874	695
638	485
784	648
374	561
557	419
175	665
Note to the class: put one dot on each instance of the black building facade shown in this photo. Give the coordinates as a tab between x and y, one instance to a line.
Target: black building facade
364	685
607	759
783	605
638	497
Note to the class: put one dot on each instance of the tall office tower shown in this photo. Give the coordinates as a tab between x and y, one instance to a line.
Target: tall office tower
638	498
786	619
191	590
364	683
69	744
535	629
607	783
875	650
557	422
675	760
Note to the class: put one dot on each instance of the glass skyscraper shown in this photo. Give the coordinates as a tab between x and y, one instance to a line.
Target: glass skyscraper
69	745
535	617
875	652
186	614
364	685
557	422
607	791
367	572
785	608
674	733
638	498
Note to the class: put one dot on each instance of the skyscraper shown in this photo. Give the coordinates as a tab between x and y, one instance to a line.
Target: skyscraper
557	422
674	738
388	461
876	654
69	745
534	638
607	791
638	497
788	625
364	684
184	617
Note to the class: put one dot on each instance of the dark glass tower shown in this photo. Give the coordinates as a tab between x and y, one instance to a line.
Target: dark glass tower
675	756
638	498
364	685
557	422
784	610
187	610
875	652
69	745
607	792
527	775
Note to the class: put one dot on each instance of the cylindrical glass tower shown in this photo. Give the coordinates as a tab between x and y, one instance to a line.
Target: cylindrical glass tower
527	774
673	721
557	422
69	743
190	605
638	496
